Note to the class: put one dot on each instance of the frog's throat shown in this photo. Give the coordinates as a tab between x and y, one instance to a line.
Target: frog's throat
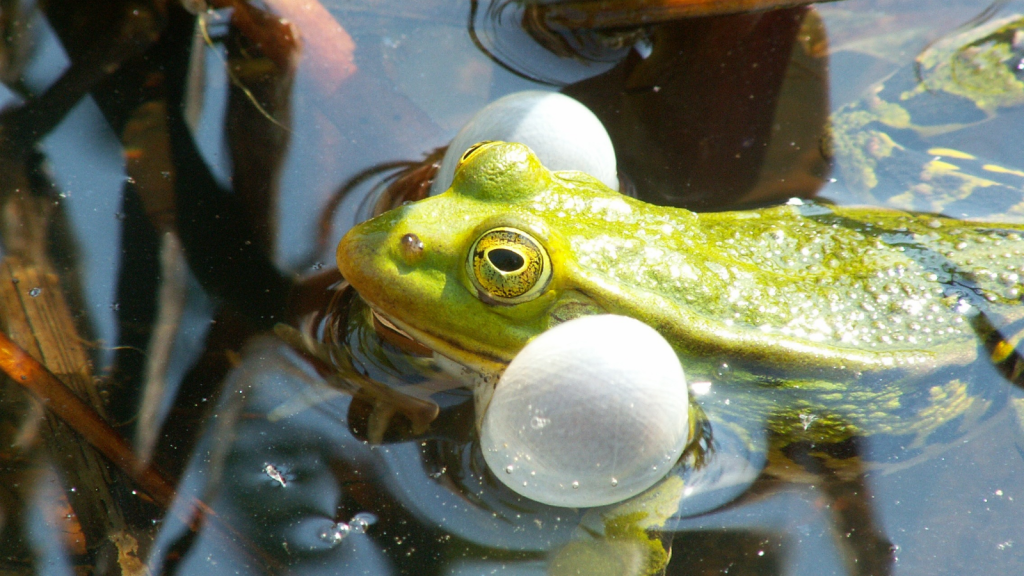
479	363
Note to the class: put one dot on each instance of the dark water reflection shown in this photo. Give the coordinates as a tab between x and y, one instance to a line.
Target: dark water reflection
326	473
178	240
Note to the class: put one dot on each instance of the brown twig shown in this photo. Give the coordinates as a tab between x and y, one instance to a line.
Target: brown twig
27	372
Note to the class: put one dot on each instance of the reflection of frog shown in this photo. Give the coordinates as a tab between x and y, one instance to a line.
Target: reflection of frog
901	145
835	323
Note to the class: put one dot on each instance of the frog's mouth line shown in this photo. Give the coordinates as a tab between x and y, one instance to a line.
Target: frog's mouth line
395	335
415	340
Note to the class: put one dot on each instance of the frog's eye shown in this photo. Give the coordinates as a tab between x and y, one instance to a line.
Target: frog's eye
473	150
508	266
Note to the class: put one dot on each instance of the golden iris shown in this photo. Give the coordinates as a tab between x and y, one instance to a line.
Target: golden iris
508	266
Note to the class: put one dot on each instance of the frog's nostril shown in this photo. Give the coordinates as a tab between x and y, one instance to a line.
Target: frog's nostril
412	247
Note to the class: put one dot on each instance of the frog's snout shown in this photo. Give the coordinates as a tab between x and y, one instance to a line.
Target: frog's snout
354	257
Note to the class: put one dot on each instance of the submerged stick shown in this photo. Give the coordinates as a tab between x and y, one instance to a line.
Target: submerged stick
35	378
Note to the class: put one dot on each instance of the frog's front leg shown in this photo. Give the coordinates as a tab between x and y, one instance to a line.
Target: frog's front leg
412	401
623	538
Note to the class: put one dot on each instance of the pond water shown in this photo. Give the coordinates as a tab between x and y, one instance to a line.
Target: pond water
149	255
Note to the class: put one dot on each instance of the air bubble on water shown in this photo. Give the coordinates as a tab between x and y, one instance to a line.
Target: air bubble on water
335	533
575	484
361	521
615	482
35	292
508	469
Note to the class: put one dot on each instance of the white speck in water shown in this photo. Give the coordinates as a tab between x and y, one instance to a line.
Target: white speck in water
807	419
275	474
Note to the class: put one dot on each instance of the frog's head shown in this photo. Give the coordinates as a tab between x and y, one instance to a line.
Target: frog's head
472	273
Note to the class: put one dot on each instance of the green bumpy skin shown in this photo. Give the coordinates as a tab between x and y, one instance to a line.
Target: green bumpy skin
828	317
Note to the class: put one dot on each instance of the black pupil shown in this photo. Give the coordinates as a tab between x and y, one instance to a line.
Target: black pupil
505	260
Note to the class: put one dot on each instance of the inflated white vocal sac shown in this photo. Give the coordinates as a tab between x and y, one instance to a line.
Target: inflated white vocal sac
591	412
563	133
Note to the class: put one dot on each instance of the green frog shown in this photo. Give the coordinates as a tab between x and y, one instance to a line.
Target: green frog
834	313
822	324
818	325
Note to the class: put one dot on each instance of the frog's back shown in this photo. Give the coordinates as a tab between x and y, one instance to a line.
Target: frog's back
885	287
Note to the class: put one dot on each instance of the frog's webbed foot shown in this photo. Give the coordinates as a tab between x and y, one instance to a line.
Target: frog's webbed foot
623	538
336	364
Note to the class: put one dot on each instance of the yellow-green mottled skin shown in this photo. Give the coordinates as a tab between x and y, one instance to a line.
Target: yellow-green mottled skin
829	318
